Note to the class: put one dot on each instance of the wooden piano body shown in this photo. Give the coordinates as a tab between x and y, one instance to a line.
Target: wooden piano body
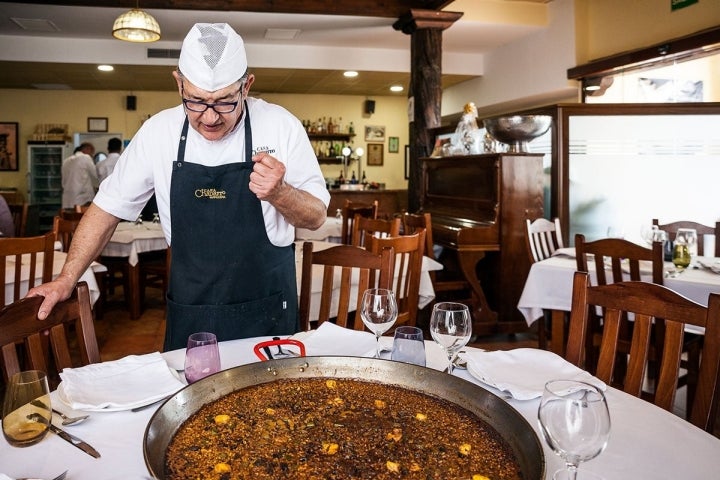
478	205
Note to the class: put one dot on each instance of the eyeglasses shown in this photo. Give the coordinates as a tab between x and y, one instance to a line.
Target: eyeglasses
219	107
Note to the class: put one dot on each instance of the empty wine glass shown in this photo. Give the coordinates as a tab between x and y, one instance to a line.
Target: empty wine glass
202	357
689	236
156	218
450	327
26	411
378	312
575	422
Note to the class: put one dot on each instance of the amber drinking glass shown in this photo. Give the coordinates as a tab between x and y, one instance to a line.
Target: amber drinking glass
27	411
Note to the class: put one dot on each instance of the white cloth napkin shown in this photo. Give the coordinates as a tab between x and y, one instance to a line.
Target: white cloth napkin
711	263
130	382
330	339
523	372
564	252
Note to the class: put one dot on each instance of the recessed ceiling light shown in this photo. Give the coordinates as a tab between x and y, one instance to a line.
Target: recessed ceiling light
350	74
396	88
106	68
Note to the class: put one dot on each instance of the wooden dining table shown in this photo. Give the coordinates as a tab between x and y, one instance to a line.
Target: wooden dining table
646	442
128	241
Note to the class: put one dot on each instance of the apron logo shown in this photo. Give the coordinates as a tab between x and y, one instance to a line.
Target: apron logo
259	150
210	193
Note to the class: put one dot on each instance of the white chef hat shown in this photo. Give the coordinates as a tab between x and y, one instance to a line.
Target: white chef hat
212	56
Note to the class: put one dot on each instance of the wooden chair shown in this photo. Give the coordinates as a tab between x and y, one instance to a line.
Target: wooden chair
70	214
64	231
672	228
412	223
649	302
409	251
364	227
19	326
154	272
348	214
20	217
340	266
543	237
24	253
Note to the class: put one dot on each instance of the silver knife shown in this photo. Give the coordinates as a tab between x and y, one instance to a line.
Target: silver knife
82	445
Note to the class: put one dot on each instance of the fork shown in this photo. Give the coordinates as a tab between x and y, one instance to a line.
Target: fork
59	477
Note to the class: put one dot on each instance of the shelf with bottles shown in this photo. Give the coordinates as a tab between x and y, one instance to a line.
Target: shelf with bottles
328	149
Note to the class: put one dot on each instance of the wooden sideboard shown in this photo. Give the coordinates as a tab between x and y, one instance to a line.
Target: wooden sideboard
390	201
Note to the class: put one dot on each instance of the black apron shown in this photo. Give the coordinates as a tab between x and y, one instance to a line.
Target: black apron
226	276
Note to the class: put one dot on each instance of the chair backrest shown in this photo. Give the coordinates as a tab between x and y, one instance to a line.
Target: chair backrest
19	213
543	238
412	222
348	214
23	255
70	214
622	256
344	273
364	227
19	326
64	231
409	251
81	208
647	302
672	228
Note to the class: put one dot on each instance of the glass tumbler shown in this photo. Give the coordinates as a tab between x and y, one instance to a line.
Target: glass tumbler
408	346
202	357
27	411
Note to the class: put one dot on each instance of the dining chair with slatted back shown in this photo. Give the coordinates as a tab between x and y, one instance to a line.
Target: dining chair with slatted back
23	257
648	302
349	210
341	274
409	250
701	229
64	231
19	213
154	271
543	238
20	328
364	227
70	214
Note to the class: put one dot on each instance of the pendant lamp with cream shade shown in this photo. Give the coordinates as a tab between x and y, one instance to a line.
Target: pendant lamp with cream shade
136	26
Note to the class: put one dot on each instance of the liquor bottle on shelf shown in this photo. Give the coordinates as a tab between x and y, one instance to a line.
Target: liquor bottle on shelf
353	180
339	127
330	126
331	151
351	128
364	179
341	178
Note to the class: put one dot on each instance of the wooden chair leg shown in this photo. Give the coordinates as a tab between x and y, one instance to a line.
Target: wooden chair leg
557	332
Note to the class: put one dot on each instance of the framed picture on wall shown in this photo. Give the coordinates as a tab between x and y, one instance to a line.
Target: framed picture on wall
374	133
393	144
97	124
375	154
8	146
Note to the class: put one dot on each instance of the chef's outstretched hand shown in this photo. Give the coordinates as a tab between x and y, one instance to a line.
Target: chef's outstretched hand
266	179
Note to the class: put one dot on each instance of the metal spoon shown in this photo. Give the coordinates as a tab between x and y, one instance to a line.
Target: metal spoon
68	421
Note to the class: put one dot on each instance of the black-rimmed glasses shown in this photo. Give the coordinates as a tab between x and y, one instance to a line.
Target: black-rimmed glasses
219	107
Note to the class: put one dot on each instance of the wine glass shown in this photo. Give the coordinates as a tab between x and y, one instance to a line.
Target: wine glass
156	218
202	357
378	312
575	422
689	236
26	412
681	257
450	327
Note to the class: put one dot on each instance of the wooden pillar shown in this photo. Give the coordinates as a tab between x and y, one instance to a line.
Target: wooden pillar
425	93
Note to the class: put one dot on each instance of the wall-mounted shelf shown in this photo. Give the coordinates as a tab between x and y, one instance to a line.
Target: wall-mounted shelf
323	137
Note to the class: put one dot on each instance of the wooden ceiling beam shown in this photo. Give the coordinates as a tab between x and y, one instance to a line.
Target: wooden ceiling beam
363	8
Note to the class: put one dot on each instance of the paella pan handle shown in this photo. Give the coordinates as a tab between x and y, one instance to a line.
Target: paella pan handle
258	348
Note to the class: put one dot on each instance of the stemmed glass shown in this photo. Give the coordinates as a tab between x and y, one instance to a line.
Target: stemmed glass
378	312
450	327
575	422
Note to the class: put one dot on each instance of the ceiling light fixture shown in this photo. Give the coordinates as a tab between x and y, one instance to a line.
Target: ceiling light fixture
106	68
350	74
136	26
396	88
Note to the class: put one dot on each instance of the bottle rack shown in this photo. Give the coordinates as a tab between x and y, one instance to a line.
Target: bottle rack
319	137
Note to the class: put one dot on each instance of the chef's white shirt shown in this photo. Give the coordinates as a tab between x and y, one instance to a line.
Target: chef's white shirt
146	164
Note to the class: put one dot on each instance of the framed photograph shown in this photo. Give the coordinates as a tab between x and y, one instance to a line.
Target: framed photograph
8	146
375	154
393	144
97	124
373	133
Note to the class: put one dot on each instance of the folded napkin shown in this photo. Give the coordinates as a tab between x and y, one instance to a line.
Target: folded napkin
130	382
330	339
565	252
523	372
711	263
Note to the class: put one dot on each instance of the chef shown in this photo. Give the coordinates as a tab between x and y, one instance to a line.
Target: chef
233	177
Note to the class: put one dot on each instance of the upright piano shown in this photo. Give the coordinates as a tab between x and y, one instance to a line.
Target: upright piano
478	205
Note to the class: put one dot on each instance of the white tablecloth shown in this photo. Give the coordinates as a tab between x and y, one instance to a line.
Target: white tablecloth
129	240
330	231
646	442
549	285
58	261
426	290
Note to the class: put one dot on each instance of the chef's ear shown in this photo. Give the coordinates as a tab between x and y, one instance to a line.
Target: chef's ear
179	79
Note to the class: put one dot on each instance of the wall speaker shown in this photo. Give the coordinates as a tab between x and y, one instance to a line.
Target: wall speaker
369	106
131	102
